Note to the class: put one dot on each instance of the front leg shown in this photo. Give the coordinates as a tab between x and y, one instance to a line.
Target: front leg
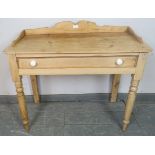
133	89
22	103
17	79
130	102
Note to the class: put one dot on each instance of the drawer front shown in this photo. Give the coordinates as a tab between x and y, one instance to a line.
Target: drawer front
78	62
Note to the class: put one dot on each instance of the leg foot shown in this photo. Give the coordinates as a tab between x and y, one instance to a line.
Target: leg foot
125	125
27	127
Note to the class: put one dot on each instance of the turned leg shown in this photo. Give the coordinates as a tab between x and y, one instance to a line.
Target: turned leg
130	102
22	104
115	86
35	88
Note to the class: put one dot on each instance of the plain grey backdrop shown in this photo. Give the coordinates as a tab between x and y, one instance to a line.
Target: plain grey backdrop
10	28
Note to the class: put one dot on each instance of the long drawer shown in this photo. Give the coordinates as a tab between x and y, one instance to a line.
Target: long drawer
77	62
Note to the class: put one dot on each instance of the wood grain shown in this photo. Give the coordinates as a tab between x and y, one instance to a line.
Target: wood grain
130	102
77	71
63	38
68	27
20	91
82	48
78	62
115	86
35	89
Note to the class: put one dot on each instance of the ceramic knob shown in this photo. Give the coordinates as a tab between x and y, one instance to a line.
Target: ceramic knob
33	63
119	61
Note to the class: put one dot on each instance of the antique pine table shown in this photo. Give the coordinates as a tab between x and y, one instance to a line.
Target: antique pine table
78	49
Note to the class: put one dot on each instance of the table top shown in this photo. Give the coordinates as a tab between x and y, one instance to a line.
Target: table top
63	39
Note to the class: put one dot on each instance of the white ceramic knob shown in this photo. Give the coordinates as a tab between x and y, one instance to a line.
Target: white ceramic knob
75	26
119	61
33	63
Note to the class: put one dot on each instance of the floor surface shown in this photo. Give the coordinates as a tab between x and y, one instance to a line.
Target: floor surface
79	118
